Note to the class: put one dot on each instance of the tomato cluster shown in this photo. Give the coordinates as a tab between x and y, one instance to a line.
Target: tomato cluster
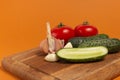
65	32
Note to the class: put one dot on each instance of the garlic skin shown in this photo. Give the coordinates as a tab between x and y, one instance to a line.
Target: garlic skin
44	46
51	57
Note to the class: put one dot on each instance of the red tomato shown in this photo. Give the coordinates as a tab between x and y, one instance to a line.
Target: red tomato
63	32
85	30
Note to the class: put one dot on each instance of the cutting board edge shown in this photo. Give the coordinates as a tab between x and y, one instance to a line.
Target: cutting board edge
5	65
8	66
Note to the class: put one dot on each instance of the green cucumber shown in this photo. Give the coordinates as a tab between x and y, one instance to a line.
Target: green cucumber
76	41
82	54
113	45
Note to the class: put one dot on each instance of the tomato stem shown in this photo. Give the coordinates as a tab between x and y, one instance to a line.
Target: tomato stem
60	25
85	23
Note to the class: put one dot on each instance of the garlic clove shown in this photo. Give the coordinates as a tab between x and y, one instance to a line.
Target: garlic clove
68	45
51	57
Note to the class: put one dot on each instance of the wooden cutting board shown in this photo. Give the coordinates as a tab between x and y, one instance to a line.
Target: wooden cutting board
30	65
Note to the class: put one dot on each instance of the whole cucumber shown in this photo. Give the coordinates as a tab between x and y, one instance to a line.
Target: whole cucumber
113	45
76	41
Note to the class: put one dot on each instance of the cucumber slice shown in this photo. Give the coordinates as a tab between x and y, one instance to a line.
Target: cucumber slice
82	54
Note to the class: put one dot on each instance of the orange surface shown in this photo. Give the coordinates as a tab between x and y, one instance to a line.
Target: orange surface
23	22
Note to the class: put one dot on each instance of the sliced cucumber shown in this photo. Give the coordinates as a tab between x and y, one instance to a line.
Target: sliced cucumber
82	54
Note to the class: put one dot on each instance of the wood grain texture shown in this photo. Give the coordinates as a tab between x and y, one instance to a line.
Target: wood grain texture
30	65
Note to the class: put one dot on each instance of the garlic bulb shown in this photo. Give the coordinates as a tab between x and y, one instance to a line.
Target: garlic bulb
51	57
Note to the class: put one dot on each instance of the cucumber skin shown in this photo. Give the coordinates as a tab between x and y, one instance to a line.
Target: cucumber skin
76	41
99	58
113	45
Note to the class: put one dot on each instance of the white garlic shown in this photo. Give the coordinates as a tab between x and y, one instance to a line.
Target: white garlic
51	57
68	45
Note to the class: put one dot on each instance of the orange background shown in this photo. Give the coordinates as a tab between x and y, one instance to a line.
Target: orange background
23	22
